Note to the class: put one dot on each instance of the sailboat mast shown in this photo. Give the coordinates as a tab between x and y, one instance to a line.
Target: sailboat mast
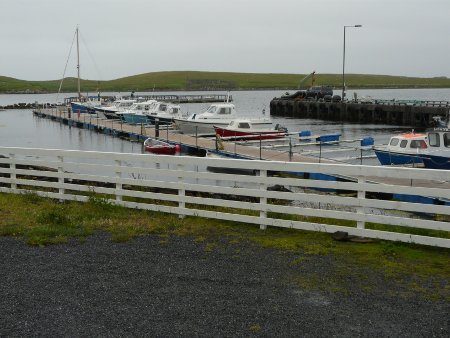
78	67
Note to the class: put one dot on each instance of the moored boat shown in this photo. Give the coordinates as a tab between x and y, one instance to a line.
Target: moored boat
438	156
219	115
159	147
84	106
244	129
137	113
430	149
164	112
403	149
109	112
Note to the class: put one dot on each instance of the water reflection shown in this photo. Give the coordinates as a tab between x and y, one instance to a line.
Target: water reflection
20	128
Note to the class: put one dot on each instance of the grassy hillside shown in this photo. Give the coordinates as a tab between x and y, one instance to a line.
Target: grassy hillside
190	80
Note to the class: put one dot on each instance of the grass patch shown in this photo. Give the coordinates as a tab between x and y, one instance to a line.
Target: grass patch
41	221
197	80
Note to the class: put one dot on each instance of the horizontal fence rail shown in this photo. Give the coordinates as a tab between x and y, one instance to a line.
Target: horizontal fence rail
376	202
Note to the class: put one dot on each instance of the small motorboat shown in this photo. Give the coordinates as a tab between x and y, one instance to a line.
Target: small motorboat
244	129
163	112
438	156
137	113
403	149
160	147
109	112
430	149
218	114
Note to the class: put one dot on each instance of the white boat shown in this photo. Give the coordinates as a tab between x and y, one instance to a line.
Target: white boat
219	115
137	113
109	112
164	112
244	129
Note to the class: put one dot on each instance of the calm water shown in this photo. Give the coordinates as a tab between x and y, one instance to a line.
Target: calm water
20	128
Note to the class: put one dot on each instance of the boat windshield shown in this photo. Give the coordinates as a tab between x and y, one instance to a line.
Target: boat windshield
433	139
418	144
211	109
224	111
447	140
244	125
394	141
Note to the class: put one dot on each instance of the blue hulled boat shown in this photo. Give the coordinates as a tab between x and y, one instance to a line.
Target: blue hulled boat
403	149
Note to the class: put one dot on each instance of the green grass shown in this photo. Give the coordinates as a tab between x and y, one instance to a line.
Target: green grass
198	80
420	269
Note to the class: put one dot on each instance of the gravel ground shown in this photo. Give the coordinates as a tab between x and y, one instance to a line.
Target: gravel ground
185	288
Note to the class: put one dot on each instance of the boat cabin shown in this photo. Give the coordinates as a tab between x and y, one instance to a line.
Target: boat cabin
216	111
240	125
408	142
439	138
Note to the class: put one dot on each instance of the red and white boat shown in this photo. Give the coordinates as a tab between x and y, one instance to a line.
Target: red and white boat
160	147
243	129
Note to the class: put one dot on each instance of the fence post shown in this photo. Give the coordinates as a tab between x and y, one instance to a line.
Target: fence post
196	136
12	166
61	190
118	191
181	190
360	210
263	200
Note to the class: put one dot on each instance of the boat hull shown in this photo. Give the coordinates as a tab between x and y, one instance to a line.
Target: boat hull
161	150
393	158
193	127
108	112
135	119
436	162
255	135
161	120
159	147
81	108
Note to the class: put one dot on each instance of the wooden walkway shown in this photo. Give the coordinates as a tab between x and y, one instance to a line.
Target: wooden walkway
141	132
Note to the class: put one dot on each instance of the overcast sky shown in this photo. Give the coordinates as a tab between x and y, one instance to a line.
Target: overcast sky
127	37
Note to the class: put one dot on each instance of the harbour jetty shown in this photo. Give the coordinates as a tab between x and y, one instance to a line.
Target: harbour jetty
415	113
189	143
174	98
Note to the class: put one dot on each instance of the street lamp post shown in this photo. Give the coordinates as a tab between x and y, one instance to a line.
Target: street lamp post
343	64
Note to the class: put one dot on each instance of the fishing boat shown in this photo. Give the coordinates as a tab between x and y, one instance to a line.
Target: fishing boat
244	129
160	147
403	149
219	115
438	156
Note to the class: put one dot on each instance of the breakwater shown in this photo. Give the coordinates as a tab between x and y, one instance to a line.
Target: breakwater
405	113
35	105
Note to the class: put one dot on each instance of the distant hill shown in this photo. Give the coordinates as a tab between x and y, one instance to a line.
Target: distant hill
197	80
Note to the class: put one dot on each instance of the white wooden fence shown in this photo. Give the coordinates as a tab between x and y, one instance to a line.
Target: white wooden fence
183	185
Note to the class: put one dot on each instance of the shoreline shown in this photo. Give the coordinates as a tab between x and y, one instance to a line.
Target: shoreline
25	92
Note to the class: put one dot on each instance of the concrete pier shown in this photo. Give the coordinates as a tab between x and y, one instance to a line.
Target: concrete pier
416	115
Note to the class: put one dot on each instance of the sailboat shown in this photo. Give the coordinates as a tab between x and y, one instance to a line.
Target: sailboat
82	104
